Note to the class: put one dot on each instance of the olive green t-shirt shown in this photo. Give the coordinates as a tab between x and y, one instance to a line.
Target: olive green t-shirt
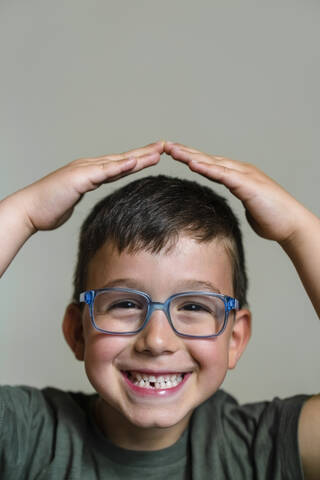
50	434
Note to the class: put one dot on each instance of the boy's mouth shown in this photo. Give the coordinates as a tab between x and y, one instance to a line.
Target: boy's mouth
153	381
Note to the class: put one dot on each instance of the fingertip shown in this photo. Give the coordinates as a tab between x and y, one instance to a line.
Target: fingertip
159	143
168	145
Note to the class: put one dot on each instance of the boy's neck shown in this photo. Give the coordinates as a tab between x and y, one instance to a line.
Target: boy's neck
125	435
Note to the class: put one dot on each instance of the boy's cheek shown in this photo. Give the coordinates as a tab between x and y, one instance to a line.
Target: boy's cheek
101	353
212	359
103	349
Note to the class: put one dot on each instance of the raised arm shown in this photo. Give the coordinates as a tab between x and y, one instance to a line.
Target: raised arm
271	211
273	214
49	202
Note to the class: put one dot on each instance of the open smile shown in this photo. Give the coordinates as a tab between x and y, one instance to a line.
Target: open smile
164	383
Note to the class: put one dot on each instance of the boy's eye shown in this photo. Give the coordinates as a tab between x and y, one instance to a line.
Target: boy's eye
124	304
194	307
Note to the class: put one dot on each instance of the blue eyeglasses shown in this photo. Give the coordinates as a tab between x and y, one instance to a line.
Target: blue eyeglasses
123	311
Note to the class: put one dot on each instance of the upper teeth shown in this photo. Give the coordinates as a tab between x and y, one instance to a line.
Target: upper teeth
159	381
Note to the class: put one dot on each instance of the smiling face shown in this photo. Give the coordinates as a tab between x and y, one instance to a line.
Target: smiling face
113	363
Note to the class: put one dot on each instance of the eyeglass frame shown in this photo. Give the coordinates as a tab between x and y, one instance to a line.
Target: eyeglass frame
89	296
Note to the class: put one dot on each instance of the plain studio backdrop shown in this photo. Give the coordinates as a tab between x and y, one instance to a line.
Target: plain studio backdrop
86	78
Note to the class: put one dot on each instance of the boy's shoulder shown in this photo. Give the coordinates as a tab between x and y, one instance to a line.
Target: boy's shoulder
31	404
32	397
41	428
256	437
254	412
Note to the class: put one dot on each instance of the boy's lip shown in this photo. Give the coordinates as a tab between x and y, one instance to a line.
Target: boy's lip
148	371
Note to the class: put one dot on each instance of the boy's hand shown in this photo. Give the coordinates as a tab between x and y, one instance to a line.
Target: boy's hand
49	202
271	211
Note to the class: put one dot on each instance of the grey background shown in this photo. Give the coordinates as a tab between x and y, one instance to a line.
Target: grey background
86	78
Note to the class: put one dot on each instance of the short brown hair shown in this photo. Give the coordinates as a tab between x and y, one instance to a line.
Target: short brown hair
150	213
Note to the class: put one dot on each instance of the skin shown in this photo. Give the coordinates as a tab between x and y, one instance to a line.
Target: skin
271	211
157	347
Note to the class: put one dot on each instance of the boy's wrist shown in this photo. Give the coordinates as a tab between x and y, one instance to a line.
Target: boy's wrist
306	224
13	214
15	230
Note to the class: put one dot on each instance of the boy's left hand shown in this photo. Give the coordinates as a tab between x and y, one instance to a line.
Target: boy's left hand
271	211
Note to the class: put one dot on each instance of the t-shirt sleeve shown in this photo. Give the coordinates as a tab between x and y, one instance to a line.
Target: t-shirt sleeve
25	420
272	438
252	441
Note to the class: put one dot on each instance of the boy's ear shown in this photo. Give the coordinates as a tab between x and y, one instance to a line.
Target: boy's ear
73	330
240	336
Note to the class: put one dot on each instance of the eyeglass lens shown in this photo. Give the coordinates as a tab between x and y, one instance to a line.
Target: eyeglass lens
198	315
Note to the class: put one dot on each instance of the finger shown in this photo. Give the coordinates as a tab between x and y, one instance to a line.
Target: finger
239	183
111	170
152	147
184	156
142	159
175	147
168	146
147	160
91	175
205	155
180	152
141	163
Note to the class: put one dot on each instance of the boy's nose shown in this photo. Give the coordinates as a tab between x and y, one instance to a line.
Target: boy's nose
158	336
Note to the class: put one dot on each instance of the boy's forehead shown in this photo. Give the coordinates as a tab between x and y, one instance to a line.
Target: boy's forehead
186	262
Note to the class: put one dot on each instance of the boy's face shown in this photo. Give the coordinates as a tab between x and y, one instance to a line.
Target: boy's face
157	349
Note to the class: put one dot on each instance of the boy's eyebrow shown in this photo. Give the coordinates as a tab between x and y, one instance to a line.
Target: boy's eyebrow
183	285
123	282
200	285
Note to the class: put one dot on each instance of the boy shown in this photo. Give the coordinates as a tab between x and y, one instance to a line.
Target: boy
159	316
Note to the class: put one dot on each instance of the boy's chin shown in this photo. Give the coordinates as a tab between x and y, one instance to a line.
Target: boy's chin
158	420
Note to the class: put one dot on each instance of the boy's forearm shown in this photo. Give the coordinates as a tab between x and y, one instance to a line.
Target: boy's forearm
15	230
48	203
303	248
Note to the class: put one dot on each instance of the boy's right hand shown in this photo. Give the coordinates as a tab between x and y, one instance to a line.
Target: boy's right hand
49	202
